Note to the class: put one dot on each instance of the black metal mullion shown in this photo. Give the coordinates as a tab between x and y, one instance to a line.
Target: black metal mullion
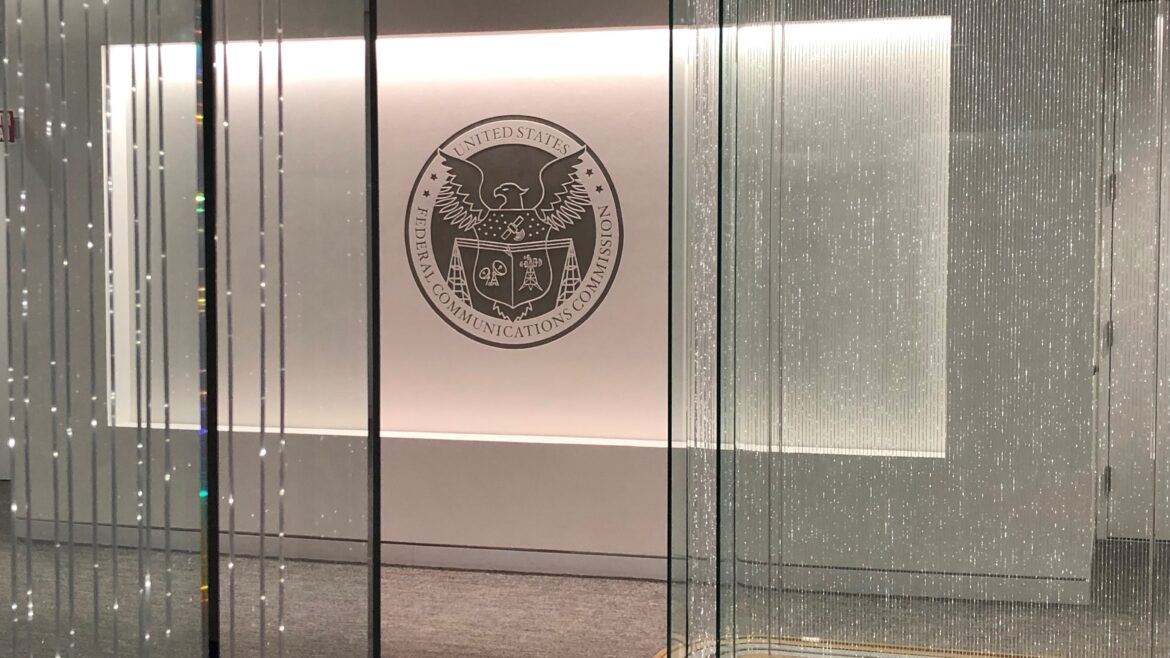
670	483
373	337
210	440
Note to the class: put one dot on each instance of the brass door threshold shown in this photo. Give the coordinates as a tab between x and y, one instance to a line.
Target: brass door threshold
813	648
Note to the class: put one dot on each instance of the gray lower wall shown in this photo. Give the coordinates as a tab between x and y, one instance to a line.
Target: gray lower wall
592	510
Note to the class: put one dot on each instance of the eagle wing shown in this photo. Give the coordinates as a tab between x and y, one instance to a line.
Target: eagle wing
564	199
460	199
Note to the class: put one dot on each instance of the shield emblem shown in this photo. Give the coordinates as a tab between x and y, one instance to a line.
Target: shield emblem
510	275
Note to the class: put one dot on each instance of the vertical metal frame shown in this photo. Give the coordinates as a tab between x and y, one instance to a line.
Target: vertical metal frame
1160	63
670	499
373	336
207	200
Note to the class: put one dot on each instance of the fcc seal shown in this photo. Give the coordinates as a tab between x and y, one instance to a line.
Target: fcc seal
513	231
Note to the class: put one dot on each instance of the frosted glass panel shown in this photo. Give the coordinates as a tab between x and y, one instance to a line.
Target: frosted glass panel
863	219
101	540
916	200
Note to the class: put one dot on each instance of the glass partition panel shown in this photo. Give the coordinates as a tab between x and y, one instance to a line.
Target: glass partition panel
102	539
928	420
292	337
695	204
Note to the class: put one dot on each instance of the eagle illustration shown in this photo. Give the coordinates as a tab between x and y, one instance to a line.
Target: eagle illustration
507	217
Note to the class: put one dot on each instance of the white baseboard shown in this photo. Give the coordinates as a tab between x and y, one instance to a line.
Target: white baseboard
922	584
980	587
476	558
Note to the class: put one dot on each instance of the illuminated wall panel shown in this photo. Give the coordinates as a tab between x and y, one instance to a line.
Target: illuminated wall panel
863	235
614	100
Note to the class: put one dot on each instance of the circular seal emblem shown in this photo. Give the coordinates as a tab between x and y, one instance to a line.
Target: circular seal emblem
513	231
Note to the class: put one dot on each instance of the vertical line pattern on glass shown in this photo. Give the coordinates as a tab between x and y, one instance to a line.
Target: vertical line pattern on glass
67	406
10	375
24	312
136	266
168	465
88	137
750	346
10	439
721	265
775	461
51	137
91	306
263	321
148	336
282	319
108	187
229	317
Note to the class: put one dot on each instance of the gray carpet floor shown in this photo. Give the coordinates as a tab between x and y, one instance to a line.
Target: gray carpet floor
426	613
448	614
